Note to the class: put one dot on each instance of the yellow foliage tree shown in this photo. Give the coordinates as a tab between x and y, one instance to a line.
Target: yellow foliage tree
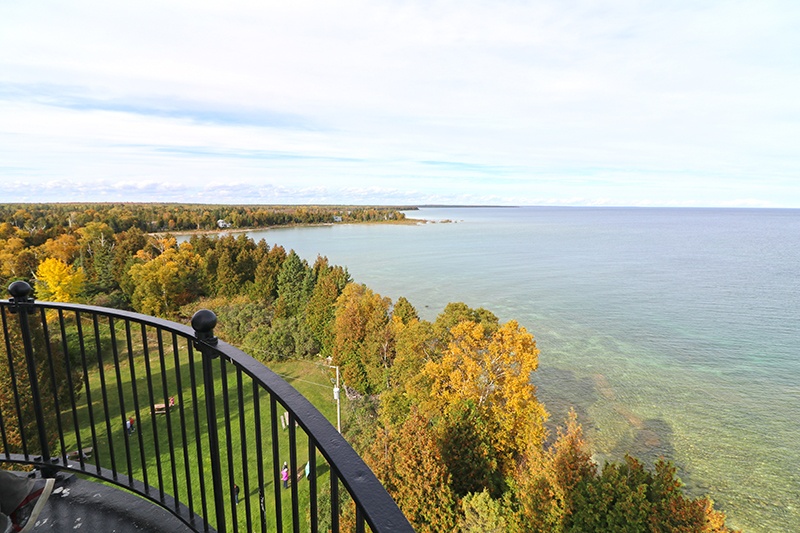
162	284
57	281
493	371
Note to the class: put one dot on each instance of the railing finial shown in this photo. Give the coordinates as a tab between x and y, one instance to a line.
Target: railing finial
203	323
20	291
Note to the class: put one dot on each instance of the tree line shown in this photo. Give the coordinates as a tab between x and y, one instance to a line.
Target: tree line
443	411
43	221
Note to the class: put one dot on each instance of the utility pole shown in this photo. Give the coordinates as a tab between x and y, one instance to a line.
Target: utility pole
336	390
338	402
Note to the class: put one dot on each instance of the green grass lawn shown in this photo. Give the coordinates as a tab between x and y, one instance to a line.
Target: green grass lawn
164	451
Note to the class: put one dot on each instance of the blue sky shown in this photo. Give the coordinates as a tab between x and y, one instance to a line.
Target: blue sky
562	102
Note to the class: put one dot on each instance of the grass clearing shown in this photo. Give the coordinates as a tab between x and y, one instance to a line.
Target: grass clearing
170	451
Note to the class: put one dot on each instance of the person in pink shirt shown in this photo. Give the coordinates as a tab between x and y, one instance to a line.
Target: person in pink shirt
285	475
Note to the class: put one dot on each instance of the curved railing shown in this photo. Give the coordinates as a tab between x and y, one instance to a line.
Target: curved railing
211	426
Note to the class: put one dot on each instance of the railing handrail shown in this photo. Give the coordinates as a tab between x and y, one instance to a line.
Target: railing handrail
373	502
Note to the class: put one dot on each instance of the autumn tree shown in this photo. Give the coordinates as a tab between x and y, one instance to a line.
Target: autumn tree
468	451
414	346
456	312
57	281
160	285
544	483
480	513
65	248
492	369
404	311
17	259
408	462
362	339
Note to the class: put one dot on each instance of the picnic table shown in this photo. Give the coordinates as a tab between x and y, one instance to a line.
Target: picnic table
161	408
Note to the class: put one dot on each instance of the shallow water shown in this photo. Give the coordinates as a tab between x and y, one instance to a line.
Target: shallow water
673	332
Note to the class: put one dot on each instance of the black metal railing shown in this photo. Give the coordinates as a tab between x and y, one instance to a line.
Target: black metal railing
172	414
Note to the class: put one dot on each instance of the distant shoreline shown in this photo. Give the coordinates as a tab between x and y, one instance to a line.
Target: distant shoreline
218	231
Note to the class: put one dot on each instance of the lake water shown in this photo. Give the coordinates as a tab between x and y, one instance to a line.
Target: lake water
673	332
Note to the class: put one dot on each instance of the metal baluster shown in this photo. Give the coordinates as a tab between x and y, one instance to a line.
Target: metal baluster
71	385
203	323
223	371
182	411
120	392
96	452
53	384
13	375
154	423
312	483
293	473
167	404
245	458
197	439
262	504
137	412
104	394
276	461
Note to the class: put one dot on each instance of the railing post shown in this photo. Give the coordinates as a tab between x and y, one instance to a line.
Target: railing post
20	296
203	323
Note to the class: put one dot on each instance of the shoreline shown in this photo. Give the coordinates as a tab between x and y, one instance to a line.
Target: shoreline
221	231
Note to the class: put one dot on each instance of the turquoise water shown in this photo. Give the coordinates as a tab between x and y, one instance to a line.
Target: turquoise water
673	332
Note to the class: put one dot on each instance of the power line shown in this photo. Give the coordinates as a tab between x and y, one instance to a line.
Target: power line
289	377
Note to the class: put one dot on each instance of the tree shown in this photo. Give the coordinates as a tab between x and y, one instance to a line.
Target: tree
414	346
320	311
545	480
534	500
493	371
404	311
64	247
17	260
295	283
467	451
96	240
57	281
161	285
481	514
362	339
408	462
571	461
269	263
456	312
626	497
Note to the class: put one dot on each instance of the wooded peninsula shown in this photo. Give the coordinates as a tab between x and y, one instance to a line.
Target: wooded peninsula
443	411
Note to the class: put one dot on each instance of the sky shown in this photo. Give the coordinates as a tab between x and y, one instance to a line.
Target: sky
502	102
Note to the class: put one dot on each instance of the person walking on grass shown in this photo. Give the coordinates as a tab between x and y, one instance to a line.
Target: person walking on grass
285	475
21	501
